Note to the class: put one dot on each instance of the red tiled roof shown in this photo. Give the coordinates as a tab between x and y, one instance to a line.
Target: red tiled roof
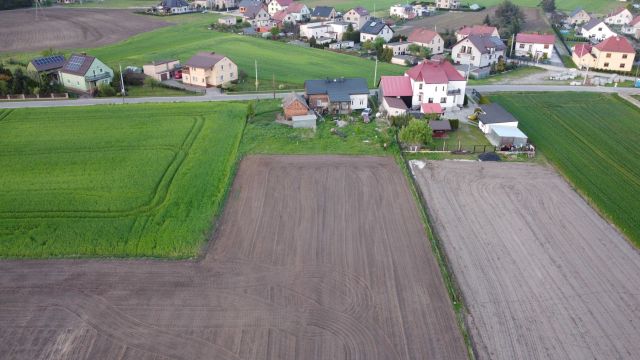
635	21
476	30
295	7
431	108
616	44
284	2
396	86
423	36
535	38
582	49
617	11
434	72
279	16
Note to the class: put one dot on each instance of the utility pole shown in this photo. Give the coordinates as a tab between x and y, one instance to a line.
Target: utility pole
586	75
513	44
36	1
273	83
121	83
256	75
375	73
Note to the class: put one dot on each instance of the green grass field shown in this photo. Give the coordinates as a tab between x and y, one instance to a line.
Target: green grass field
593	140
134	180
506	77
291	65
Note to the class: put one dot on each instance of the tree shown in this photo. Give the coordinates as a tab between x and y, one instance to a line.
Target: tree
509	18
548	5
151	82
385	55
400	121
4	88
275	31
378	44
105	90
487	20
312	41
416	133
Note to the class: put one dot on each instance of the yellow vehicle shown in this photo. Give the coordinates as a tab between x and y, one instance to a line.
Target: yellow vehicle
474	115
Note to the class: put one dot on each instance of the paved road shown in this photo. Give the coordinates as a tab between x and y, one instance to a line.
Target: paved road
245	97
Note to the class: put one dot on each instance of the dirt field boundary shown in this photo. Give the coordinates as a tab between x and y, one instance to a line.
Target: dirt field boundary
443	263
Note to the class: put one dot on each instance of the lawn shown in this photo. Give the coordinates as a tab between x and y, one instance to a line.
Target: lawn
264	136
136	180
592	140
143	91
508	76
291	65
465	137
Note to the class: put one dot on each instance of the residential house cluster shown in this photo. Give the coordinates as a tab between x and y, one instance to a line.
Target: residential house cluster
79	73
274	13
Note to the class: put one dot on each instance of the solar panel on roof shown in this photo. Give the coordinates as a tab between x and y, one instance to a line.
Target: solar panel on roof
75	63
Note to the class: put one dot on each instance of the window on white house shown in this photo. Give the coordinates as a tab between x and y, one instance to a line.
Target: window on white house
420	86
606	64
430	100
443	100
624	56
622	65
521	46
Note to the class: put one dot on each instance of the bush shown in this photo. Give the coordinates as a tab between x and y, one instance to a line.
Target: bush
455	124
417	133
105	90
151	82
484	100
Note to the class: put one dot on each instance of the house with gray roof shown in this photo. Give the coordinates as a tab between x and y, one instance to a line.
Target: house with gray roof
577	17
478	50
323	13
494	114
173	6
337	96
375	28
83	73
46	65
596	30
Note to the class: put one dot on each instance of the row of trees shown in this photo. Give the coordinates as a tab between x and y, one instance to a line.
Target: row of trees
18	82
14	4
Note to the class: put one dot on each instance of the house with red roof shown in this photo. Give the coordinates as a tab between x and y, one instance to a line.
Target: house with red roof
299	12
614	53
274	6
430	86
428	39
465	31
282	17
535	46
633	28
621	16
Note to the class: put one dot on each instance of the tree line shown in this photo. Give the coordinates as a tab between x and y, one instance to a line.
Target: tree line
14	4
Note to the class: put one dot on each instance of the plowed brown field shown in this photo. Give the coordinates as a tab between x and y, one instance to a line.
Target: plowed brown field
543	276
315	258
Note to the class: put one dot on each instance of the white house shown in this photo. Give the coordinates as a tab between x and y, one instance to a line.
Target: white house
596	30
375	28
357	16
622	16
577	17
328	29
465	31
84	73
299	12
478	50
277	5
633	28
494	114
427	38
447	4
402	11
536	46
173	6
430	86
398	48
256	15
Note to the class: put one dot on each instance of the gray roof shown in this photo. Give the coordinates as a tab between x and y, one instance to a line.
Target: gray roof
322	11
440	125
337	89
395	103
291	97
591	24
373	27
173	3
495	114
484	43
47	63
204	60
77	64
245	3
575	12
252	9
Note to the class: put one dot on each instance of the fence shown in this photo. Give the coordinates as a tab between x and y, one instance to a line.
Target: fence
470	149
21	97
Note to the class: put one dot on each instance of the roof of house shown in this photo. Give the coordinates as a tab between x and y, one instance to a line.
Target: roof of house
283	2
173	3
337	89
252	9
279	16
535	38
77	64
582	49
322	11
204	60
508	131
423	36
373	27
484	43
576	12
431	108
593	23
396	86
292	97
360	10
496	114
295	7
48	62
477	30
395	43
635	21
434	72
617	11
395	103
618	44
439	125
245	3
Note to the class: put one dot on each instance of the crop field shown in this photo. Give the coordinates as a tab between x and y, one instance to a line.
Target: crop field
542	274
64	28
136	180
593	140
305	265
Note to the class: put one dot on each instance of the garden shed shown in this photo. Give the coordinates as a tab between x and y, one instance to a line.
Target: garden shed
501	135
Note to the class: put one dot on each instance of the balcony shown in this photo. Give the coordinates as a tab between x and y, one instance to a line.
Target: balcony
454	92
97	77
